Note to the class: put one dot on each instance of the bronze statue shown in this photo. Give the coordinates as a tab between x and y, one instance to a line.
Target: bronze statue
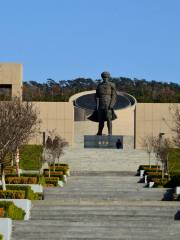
105	101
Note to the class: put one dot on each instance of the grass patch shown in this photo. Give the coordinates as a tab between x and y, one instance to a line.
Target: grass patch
174	167
12	211
31	157
174	161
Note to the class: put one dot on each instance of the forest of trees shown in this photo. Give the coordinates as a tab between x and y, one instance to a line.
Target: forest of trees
142	90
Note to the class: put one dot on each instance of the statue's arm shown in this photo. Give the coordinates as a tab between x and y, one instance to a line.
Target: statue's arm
113	96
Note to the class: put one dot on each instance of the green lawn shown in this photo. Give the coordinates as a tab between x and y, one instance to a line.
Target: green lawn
31	157
174	161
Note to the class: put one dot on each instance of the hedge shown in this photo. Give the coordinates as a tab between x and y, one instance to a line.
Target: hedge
12	211
52	181
55	174
60	165
151	177
21	180
12	194
143	167
40	178
159	182
29	194
1	237
152	171
66	167
59	172
60	169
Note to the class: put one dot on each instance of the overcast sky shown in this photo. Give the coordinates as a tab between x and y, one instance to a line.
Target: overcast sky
66	39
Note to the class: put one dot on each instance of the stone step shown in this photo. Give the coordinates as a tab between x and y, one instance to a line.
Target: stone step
82	228
127	230
124	203
109	187
113	216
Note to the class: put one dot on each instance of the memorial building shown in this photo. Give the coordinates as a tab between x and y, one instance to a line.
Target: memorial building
70	119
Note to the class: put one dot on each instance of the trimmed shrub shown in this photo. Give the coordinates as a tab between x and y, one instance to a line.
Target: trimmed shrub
52	181
21	180
49	185
29	194
46	172
12	211
60	169
60	165
154	174
159	182
40	178
158	176
152	171
66	167
12	194
56	174
141	167
144	167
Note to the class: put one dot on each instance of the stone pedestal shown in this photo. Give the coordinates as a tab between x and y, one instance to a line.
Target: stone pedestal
105	141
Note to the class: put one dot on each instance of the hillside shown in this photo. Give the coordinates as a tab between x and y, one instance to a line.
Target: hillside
142	90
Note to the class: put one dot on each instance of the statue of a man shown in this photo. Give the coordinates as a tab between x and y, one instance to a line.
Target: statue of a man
105	100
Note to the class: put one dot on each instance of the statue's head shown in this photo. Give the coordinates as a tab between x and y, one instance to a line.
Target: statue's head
105	76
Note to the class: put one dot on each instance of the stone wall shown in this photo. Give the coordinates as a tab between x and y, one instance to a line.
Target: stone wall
11	74
58	116
152	119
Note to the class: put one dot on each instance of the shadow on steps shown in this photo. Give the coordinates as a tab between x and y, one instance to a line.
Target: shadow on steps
168	195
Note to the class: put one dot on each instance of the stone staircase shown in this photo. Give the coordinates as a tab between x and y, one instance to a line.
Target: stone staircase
81	159
101	205
102	200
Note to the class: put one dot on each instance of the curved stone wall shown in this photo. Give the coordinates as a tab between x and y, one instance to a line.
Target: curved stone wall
123	125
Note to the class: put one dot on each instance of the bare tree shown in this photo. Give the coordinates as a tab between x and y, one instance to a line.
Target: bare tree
148	145
176	126
18	123
54	149
161	147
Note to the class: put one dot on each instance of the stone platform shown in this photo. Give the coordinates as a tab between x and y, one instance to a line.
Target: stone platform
107	141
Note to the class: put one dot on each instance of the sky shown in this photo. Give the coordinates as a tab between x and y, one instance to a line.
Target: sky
66	39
